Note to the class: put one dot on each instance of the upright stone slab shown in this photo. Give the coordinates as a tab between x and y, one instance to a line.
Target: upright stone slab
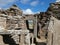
2	23
54	28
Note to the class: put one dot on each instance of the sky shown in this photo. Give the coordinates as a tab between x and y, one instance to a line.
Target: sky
28	6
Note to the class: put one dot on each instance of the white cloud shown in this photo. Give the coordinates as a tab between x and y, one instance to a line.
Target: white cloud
57	0
5	2
24	1
34	3
28	11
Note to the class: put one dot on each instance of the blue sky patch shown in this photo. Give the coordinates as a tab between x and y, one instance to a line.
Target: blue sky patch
28	5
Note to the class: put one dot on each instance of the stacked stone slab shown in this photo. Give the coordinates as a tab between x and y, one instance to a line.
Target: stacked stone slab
9	19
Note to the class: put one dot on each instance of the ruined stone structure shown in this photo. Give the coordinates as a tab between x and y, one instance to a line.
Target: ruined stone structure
33	29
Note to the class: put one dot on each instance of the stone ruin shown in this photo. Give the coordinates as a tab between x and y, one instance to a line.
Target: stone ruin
33	29
13	19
